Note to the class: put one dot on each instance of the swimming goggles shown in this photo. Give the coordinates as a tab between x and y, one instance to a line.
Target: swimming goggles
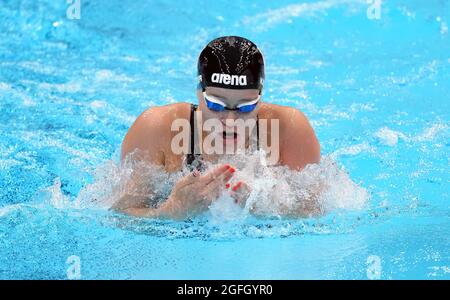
215	104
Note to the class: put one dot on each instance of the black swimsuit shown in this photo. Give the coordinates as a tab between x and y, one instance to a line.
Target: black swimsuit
193	160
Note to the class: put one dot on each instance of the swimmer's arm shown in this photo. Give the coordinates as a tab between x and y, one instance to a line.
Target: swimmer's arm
301	147
141	212
144	137
299	144
144	212
137	206
147	134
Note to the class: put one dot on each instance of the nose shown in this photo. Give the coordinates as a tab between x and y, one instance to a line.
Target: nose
228	114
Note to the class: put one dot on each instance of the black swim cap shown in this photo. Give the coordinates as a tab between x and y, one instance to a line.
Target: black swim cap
231	62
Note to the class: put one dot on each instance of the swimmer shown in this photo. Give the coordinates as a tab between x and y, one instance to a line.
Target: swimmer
231	78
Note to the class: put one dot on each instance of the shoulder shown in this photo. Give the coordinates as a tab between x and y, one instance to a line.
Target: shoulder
152	128
290	118
298	142
160	116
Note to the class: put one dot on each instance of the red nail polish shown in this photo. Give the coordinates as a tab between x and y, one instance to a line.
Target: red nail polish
227	185
232	170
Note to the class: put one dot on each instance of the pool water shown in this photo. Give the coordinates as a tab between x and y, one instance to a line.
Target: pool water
376	92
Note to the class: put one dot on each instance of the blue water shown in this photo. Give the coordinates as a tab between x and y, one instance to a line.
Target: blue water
376	92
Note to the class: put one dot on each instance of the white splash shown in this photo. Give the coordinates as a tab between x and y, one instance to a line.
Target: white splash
111	76
353	150
225	210
53	197
270	18
391	137
5	86
134	177
5	210
276	191
430	133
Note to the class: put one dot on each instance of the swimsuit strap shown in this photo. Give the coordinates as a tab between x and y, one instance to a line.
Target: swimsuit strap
192	158
257	132
195	157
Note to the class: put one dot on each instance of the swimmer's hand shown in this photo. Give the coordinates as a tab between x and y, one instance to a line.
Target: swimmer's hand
194	193
240	193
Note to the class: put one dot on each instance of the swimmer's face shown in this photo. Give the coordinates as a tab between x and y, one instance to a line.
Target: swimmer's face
231	98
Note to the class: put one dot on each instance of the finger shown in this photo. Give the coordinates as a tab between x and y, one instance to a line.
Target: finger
240	192
211	175
216	187
210	194
212	191
241	187
237	186
221	180
207	196
190	178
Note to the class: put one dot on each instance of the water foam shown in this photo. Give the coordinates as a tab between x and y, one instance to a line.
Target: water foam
391	137
318	194
276	191
272	17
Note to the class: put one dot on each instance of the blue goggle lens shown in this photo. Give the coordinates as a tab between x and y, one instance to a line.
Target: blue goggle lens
218	107
248	108
214	106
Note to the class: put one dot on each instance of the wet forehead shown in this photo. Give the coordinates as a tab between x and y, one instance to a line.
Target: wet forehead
232	95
